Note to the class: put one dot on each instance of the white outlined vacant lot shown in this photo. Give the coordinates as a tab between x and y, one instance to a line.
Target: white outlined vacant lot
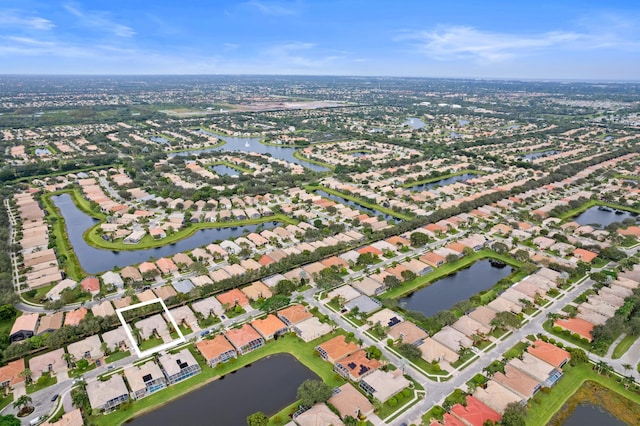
133	340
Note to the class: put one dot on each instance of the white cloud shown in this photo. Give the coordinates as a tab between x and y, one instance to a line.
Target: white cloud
273	8
14	18
100	20
457	42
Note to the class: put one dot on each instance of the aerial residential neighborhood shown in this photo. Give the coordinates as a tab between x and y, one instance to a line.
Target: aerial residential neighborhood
305	245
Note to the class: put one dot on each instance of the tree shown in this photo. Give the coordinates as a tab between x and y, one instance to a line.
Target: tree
22	403
499	247
514	415
391	281
578	356
409	351
258	419
505	319
311	392
26	373
285	287
408	275
419	239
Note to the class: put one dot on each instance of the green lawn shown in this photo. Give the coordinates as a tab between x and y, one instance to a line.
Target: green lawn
229	164
150	343
77	372
515	351
304	352
116	356
623	346
447	176
6	400
43	382
543	406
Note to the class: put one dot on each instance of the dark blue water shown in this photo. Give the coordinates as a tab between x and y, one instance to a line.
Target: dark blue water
221	169
591	415
95	260
254	145
370	212
447	291
601	218
442	182
268	385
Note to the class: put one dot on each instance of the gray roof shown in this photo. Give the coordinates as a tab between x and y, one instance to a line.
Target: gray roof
183	286
364	303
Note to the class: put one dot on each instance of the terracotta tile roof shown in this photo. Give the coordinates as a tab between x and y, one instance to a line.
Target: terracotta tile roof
242	336
11	372
232	298
268	325
337	348
294	314
90	284
74	317
549	353
213	348
475	413
577	325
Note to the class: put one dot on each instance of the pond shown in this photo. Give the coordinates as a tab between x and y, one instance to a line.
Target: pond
414	123
94	260
442	182
534	155
602	216
591	415
446	292
221	169
370	212
268	385
254	145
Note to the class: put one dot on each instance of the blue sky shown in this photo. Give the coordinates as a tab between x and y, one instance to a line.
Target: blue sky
561	39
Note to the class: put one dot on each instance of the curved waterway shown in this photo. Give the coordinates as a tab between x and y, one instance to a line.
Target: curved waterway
442	182
267	385
446	292
94	260
254	145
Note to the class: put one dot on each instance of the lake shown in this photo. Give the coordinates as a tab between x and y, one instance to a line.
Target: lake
442	182
94	260
534	155
370	212
267	385
591	415
446	292
253	145
221	169
414	123
602	216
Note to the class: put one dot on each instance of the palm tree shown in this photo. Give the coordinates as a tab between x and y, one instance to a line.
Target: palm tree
26	373
601	366
69	358
627	367
22	402
627	381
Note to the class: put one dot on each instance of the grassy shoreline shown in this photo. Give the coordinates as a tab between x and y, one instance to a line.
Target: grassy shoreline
449	269
301	351
447	176
301	157
231	165
592	203
543	407
360	201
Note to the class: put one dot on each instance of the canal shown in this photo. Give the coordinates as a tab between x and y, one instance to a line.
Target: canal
442	182
603	216
94	260
446	292
369	211
268	385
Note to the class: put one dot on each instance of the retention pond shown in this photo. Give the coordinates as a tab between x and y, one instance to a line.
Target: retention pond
268	385
446	292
